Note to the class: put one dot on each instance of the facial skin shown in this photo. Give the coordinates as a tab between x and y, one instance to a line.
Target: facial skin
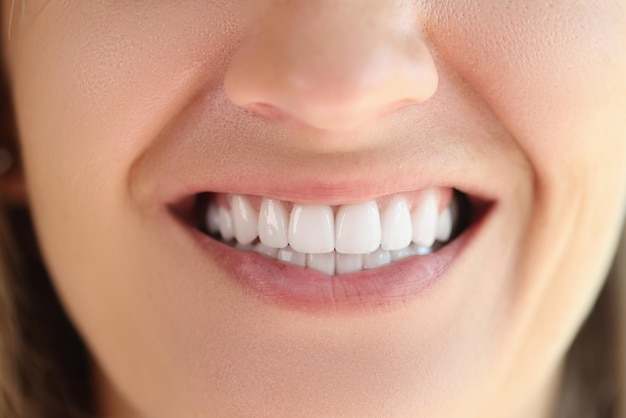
522	101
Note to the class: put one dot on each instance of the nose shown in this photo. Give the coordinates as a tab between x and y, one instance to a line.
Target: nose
332	64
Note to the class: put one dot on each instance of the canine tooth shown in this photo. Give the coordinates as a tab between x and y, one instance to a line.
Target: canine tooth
245	219
273	221
312	229
322	262
347	263
357	228
213	219
444	228
265	250
395	220
289	255
376	259
227	231
424	219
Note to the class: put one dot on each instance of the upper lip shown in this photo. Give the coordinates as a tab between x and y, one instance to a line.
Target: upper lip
169	183
299	189
303	189
186	163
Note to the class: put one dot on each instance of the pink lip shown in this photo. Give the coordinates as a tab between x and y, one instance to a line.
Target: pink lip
303	188
301	289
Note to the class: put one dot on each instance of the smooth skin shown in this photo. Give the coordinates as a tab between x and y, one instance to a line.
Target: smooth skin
521	102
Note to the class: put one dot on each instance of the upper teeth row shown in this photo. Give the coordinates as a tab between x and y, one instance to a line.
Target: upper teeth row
316	229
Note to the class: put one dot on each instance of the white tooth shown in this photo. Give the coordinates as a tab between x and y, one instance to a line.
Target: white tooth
397	231
401	254
213	219
357	228
444	228
424	219
376	259
312	229
322	262
227	231
288	255
273	221
245	219
347	263
419	250
265	250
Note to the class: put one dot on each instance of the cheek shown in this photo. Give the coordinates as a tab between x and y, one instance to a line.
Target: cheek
96	82
94	85
93	89
553	75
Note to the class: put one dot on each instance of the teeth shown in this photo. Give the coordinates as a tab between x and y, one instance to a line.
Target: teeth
347	263
401	254
244	247
424	219
213	219
273	221
419	250
444	229
322	262
245	220
376	259
288	255
265	250
357	228
358	237
397	231
312	229
227	231
448	219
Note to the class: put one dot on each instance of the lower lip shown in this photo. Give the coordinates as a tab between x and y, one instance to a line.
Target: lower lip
301	289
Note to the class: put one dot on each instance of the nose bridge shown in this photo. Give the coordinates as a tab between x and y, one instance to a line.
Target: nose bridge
332	64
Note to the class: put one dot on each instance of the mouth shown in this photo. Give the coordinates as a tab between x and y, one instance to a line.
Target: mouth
314	257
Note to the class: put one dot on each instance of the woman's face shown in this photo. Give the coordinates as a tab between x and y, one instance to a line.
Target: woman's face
129	110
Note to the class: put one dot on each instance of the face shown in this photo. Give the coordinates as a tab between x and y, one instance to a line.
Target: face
343	126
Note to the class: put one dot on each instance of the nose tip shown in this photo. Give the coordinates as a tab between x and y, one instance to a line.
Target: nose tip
328	70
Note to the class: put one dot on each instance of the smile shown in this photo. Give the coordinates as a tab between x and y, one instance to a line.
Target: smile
374	253
336	239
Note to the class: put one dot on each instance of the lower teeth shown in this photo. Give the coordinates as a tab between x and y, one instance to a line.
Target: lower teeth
335	263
